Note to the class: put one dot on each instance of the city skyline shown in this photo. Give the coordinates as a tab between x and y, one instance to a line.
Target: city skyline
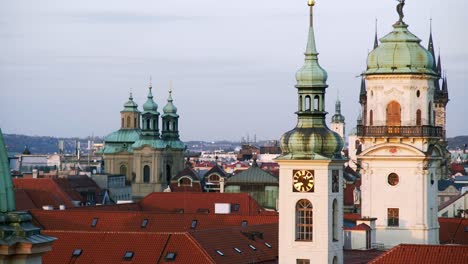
68	68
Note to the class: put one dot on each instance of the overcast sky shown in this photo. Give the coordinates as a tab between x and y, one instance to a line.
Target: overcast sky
67	67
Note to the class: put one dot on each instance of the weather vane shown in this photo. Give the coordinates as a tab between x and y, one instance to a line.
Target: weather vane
399	9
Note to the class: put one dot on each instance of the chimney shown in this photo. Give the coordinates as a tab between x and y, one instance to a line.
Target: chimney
221	185
34	173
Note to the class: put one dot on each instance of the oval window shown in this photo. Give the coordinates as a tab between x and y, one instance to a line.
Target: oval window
393	179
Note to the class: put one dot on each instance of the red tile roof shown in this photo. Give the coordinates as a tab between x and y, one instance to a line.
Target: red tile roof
191	202
127	221
360	256
424	254
110	247
44	191
452	230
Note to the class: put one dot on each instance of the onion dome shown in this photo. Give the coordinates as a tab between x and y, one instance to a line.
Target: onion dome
130	105
170	108
400	51
311	138
150	106
338	117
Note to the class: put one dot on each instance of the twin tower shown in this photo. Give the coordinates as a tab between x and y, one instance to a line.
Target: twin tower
401	140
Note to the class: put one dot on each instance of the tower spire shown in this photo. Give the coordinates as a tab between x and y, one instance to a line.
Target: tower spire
376	40
430	46
439	65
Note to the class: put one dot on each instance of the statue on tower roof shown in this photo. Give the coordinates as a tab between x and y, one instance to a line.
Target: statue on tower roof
399	9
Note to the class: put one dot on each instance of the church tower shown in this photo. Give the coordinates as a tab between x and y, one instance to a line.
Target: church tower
150	117
401	144
311	173
338	121
130	116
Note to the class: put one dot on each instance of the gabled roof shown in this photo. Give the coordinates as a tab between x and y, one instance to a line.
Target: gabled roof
218	170
361	227
405	253
444	184
253	175
451	201
187	172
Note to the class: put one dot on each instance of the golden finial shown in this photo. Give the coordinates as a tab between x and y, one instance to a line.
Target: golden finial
311	2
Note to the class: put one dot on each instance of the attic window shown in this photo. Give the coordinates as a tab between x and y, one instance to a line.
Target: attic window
77	252
267	245
238	250
252	247
194	224
244	223
170	256
94	222
235	207
144	223
220	253
128	255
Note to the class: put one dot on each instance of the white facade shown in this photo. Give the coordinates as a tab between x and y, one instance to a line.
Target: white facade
322	248
406	205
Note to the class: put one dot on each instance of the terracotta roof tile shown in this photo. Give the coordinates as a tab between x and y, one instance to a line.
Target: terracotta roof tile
46	191
452	230
424	254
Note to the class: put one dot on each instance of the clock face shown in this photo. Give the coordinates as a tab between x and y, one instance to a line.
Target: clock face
303	181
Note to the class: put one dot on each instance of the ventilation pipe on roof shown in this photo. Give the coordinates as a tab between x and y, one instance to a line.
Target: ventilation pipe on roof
62	207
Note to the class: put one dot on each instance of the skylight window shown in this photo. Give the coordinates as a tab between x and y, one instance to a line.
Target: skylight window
238	250
194	224
235	207
244	223
144	223
220	253
77	252
170	256
252	247
268	245
128	255
94	222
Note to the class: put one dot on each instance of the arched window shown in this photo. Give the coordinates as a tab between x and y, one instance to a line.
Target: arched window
123	170
148	123
155	124
317	103
304	220
418	117
122	122
213	178
300	103
393	114
146	174
135	124
307	103
168	173
128	122
371	118
170	126
335	220
184	181
335	260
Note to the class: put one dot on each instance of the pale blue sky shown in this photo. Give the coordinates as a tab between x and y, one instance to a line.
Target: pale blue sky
66	67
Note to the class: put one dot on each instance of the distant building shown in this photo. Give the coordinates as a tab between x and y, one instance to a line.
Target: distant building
116	185
149	159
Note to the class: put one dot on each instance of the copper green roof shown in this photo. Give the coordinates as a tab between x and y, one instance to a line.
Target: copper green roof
7	196
400	52
154	143
150	106
124	135
170	109
253	175
130	105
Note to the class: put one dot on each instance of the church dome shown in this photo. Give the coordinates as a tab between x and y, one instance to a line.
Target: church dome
130	105
311	143
170	108
400	52
150	105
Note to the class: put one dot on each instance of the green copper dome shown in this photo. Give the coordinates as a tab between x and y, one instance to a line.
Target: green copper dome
150	106
400	52
130	105
311	138
338	117
169	108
